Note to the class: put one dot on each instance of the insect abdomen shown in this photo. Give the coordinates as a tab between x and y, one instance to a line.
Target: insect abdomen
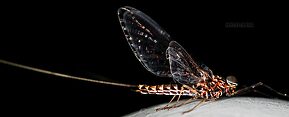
170	89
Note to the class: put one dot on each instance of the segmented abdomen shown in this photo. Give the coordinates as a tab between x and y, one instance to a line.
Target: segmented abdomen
170	89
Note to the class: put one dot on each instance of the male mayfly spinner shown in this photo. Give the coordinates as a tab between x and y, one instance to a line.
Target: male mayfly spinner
164	57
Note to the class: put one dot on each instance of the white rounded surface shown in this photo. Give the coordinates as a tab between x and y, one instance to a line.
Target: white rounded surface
229	107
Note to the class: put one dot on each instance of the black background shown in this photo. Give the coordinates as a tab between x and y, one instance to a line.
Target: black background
85	39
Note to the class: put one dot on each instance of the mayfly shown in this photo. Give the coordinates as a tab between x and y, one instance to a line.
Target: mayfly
164	57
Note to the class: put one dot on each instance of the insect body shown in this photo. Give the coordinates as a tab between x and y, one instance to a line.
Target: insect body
204	89
164	57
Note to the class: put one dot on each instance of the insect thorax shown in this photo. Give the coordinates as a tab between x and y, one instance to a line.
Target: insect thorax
214	88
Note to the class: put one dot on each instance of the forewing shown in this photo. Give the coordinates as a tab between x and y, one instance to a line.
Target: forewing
147	40
183	68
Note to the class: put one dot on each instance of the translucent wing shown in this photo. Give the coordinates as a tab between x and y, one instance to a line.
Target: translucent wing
147	40
183	67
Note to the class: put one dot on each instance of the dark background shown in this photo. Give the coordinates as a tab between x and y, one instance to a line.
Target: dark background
85	39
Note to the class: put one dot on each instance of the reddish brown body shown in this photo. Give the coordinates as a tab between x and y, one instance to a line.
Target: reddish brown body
211	88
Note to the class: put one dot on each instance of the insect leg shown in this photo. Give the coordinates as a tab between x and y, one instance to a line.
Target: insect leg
181	92
246	89
202	101
174	105
186	102
166	106
170	102
262	93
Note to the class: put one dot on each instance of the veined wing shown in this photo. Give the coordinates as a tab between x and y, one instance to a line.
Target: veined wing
183	68
147	40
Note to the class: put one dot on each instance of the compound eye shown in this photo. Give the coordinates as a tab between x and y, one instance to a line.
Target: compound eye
232	80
